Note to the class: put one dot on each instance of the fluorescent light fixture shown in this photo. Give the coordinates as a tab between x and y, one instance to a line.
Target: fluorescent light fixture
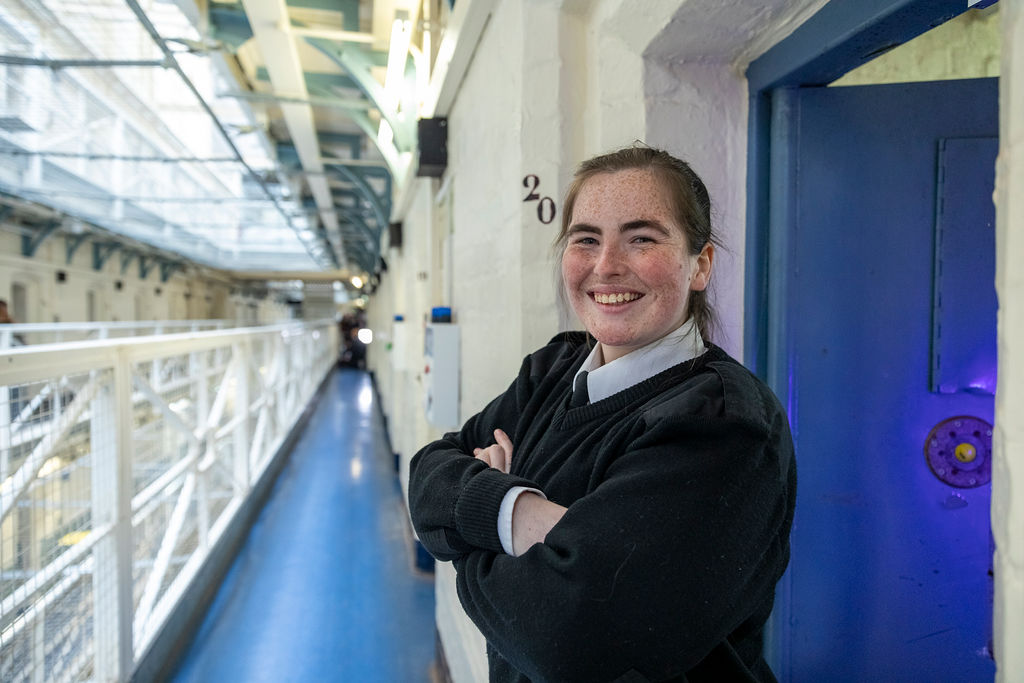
365	335
445	52
385	135
422	64
357	281
398	50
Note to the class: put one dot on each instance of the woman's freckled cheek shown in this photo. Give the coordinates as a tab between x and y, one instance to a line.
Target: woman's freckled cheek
574	270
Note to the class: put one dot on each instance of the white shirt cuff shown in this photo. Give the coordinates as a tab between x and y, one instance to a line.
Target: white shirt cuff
508	504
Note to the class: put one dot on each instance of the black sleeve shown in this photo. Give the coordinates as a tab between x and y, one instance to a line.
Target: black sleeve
453	497
680	544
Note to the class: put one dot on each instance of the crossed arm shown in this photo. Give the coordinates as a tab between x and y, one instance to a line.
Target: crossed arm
533	516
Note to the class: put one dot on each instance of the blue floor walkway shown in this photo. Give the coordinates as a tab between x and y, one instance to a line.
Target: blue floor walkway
324	588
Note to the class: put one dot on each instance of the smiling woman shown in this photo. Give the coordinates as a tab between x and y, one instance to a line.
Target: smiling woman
622	511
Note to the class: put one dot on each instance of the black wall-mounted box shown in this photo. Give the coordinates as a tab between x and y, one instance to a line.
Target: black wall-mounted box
433	146
395	235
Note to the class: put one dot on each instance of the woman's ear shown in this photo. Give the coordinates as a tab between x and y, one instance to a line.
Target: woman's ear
702	271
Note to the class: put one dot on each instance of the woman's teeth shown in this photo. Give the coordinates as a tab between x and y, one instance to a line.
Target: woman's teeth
615	298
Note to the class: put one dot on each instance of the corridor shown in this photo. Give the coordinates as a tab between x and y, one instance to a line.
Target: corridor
324	588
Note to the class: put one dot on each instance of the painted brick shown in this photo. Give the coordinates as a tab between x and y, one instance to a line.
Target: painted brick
1008	440
965	47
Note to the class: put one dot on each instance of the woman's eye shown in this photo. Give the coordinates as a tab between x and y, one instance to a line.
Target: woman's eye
642	239
586	240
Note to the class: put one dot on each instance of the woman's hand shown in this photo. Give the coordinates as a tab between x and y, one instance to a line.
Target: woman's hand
498	455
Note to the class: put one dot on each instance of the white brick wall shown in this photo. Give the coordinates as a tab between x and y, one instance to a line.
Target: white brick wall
67	301
698	111
964	47
406	289
1008	441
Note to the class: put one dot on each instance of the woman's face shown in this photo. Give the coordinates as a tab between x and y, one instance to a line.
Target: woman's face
626	265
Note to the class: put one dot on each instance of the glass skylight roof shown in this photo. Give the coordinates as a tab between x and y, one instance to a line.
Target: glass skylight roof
97	123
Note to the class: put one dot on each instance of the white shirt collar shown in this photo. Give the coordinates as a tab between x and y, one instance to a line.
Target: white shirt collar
682	344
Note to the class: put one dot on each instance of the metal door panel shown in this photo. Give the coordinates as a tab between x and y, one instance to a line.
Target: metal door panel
890	572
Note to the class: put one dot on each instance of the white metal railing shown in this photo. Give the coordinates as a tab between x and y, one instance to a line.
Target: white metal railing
21	334
121	462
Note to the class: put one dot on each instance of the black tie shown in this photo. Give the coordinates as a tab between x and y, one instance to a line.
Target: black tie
579	393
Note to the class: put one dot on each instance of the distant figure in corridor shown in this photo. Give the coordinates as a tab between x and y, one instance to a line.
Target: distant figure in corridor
5	316
622	511
6	319
352	351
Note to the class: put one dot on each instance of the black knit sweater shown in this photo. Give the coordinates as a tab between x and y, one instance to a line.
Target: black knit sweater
680	494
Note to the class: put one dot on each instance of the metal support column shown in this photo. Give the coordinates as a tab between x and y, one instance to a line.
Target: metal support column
110	431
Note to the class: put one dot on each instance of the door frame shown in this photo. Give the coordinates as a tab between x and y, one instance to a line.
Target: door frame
841	36
31	311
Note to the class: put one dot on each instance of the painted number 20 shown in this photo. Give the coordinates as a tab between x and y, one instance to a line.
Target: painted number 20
545	205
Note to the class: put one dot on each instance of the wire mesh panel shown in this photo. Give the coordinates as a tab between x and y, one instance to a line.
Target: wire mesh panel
46	446
82	595
181	484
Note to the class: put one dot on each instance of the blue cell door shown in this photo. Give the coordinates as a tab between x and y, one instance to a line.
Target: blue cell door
882	230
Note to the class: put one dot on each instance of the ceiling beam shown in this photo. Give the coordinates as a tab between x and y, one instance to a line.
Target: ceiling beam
358	65
304	275
101	253
333	34
455	53
318	83
29	244
272	30
351	163
348	103
15	60
367	193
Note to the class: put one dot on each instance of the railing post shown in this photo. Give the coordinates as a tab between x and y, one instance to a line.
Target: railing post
56	394
123	497
199	366
39	647
287	388
157	369
311	366
103	435
110	429
6	430
156	380
243	361
279	387
198	376
306	353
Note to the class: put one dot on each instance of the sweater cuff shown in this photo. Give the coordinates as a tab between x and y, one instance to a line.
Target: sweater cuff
476	510
505	512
